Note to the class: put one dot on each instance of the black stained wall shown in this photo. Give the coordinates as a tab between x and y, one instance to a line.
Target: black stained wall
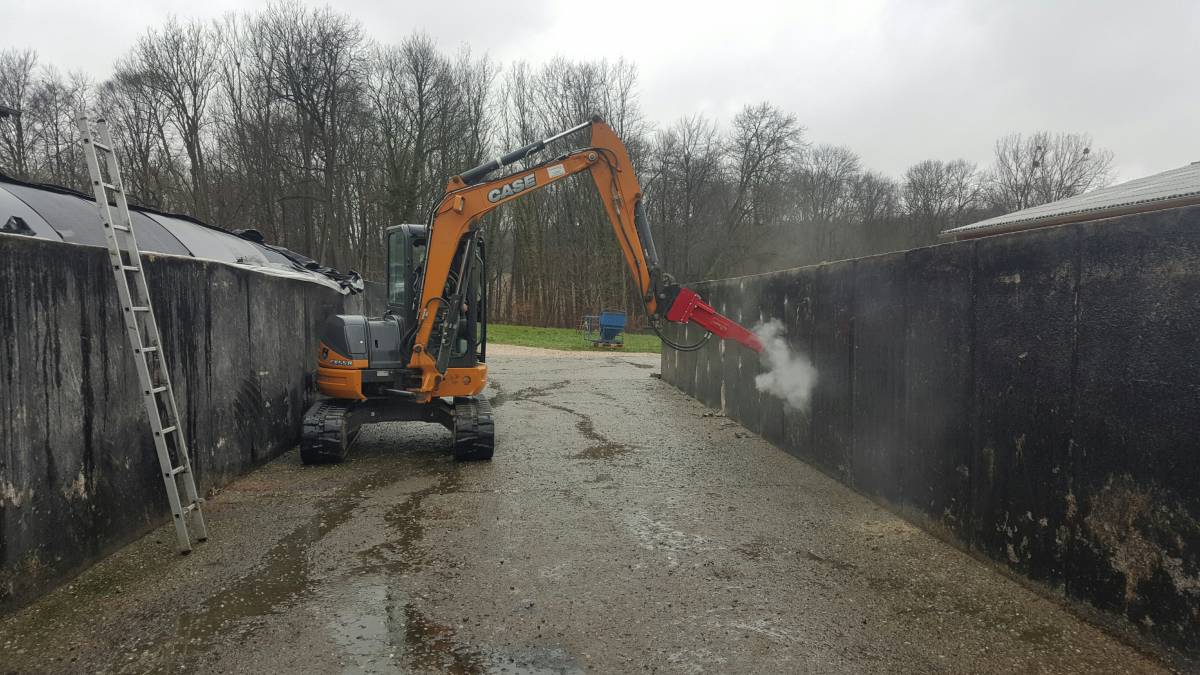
1034	396
78	472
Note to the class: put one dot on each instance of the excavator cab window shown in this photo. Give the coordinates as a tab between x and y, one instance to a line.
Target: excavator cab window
397	270
406	258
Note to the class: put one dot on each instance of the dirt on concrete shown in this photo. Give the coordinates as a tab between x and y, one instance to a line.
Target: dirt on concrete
621	527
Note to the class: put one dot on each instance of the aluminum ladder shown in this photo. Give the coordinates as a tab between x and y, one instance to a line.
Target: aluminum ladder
142	331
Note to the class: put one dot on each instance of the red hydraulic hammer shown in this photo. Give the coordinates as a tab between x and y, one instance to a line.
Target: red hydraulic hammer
689	307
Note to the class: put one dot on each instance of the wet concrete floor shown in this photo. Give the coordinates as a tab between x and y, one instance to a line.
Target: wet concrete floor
621	527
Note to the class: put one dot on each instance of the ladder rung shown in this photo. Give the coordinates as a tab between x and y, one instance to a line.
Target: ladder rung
119	227
131	268
167	430
110	186
158	390
146	350
140	308
101	146
178	470
192	507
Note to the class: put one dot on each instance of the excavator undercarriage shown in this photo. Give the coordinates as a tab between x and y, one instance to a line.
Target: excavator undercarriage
332	425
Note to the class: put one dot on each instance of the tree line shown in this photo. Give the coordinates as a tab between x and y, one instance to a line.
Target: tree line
291	121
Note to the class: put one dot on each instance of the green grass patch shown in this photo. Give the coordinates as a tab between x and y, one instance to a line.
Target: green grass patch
565	338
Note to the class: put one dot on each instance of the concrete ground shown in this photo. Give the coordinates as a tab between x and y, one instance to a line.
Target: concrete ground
621	527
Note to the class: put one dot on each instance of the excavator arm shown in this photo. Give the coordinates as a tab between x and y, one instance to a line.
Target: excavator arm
470	196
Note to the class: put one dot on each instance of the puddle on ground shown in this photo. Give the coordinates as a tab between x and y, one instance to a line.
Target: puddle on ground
503	397
602	451
380	630
756	549
533	661
376	625
1041	635
361	628
836	564
603	447
400	553
431	646
284	574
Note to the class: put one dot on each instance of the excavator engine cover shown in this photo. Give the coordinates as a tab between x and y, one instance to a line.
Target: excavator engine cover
344	340
359	357
355	338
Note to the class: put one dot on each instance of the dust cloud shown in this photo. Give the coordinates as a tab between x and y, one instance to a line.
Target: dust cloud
789	376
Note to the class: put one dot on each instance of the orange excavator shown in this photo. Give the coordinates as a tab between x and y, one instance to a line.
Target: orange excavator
425	359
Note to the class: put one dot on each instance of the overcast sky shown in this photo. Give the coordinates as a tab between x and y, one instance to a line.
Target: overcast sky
896	81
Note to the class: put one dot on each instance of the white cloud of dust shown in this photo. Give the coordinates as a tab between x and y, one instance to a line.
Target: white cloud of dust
790	376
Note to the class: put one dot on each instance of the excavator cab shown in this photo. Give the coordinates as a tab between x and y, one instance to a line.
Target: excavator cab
407	247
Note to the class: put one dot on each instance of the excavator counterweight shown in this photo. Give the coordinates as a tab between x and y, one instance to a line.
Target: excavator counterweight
425	359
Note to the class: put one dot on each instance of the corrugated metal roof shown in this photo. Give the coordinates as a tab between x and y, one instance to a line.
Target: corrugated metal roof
60	214
1177	187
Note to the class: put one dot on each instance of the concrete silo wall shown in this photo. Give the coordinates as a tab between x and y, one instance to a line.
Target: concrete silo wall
1034	397
78	471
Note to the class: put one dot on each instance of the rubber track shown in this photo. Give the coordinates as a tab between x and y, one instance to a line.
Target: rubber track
474	429
322	438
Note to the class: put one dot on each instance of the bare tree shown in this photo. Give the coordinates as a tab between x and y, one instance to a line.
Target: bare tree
685	192
180	64
824	180
54	103
762	146
1045	167
875	199
16	80
252	131
140	120
937	194
474	80
314	61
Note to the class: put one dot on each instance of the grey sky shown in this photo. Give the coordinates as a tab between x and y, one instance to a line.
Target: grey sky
895	81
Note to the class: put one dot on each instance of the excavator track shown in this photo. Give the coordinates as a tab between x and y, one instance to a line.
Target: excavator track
474	430
330	426
326	435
